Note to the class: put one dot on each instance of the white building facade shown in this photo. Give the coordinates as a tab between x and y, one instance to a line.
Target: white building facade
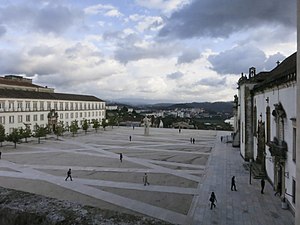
25	104
267	125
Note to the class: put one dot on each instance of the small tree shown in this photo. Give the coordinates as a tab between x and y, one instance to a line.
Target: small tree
14	137
85	126
74	127
40	132
59	130
26	133
96	124
2	134
104	123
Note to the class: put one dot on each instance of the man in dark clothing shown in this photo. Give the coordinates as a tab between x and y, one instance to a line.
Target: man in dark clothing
121	157
233	187
212	200
262	183
69	175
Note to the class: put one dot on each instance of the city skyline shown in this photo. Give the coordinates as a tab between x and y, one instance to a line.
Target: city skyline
153	50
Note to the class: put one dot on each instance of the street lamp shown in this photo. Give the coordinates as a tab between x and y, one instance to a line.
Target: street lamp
250	165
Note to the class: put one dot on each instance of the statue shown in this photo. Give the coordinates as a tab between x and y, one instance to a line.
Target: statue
146	126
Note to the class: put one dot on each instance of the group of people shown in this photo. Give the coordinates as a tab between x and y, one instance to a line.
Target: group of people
213	198
192	140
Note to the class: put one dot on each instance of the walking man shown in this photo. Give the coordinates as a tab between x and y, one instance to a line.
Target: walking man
145	179
212	200
121	157
130	138
233	187
193	140
69	175
262	184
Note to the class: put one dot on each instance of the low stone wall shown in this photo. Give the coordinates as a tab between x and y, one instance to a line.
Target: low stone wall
22	208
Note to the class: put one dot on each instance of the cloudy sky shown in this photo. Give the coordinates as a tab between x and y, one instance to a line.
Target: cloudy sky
151	50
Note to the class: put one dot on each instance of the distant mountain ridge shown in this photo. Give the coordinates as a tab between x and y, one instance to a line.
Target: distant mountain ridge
208	106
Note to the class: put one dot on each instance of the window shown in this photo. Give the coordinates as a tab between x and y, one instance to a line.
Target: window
93	114
27	118
71	105
85	106
72	115
2	105
89	106
20	118
35	117
55	106
48	105
89	114
11	119
2	119
35	106
85	114
80	106
61	115
19	105
67	115
11	105
27	105
41	117
76	115
294	143
80	114
41	105
61	106
76	106
67	106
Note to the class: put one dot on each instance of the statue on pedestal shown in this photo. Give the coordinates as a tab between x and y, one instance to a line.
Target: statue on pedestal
146	125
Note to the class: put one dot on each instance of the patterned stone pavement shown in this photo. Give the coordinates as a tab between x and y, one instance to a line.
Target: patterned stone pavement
181	175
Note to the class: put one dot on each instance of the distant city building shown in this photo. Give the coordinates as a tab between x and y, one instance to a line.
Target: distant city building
111	107
265	124
23	103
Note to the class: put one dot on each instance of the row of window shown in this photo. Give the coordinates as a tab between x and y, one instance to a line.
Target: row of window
48	105
42	117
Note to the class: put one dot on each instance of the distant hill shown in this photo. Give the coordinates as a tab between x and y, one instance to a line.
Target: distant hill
208	106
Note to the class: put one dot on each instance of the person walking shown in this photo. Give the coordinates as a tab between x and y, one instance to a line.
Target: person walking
262	184
233	186
69	175
145	179
212	200
121	157
130	138
193	140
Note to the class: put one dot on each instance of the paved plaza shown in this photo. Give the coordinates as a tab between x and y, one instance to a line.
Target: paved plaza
181	175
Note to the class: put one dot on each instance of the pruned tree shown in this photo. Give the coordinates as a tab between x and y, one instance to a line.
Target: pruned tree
96	124
104	123
40	132
25	133
14	137
74	127
2	134
59	129
85	126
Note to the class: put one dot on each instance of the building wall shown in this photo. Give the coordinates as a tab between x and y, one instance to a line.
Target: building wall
287	97
35	111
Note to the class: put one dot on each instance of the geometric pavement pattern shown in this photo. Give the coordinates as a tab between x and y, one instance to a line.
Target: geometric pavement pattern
174	165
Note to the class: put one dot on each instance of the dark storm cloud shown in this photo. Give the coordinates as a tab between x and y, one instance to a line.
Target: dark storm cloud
240	58
175	76
220	18
188	56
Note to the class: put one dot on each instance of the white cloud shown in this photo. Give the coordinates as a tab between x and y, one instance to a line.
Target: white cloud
163	5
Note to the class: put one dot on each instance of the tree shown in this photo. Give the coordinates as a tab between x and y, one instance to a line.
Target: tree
2	134
59	129
96	124
14	137
85	126
25	133
40	132
104	123
74	127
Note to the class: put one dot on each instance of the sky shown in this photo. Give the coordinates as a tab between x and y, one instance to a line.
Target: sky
145	50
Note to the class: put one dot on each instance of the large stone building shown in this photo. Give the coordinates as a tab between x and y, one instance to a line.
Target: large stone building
23	103
266	124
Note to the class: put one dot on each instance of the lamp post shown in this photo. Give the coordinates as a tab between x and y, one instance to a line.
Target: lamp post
250	165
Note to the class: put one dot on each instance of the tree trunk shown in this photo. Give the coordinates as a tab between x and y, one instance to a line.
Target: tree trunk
15	144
